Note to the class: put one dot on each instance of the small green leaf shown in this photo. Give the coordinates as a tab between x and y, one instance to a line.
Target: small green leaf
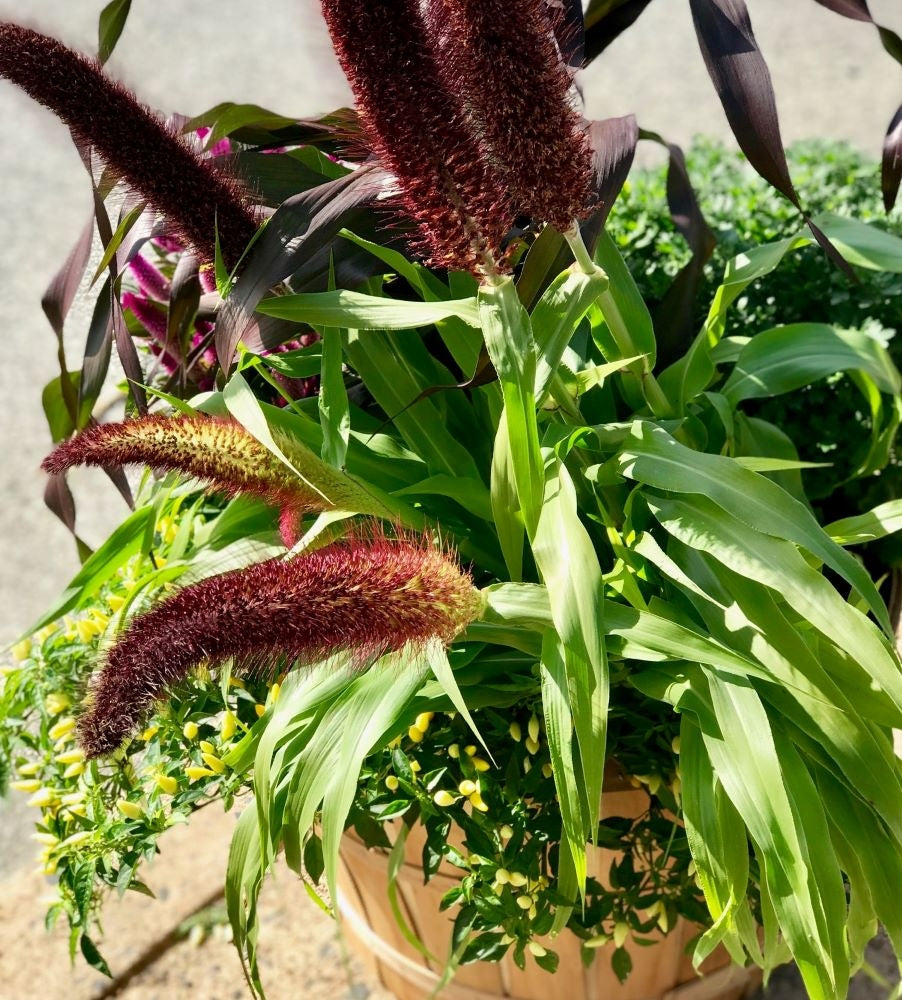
112	21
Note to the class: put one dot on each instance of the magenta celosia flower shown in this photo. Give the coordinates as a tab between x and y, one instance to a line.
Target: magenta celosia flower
366	597
221	453
416	128
194	196
501	58
149	279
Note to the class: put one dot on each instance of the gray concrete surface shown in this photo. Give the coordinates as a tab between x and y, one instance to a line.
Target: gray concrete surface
831	75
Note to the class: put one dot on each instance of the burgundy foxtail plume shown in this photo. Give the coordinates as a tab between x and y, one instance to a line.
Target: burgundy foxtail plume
501	58
195	197
220	452
367	597
415	127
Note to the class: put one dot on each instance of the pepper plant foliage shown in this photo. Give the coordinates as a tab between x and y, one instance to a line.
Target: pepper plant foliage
585	559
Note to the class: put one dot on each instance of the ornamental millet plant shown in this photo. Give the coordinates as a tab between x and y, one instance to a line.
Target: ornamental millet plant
363	596
221	453
197	199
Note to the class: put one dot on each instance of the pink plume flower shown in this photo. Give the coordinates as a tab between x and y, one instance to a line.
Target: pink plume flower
364	596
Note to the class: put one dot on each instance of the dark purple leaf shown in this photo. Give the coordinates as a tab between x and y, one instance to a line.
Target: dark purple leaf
300	226
892	161
184	298
613	144
59	500
858	10
128	355
569	30
98	349
607	19
743	83
675	312
61	291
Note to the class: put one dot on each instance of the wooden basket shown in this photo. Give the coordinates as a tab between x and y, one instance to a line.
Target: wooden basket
660	972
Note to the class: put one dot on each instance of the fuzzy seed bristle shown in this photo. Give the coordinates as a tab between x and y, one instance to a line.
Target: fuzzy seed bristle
364	596
415	127
221	453
194	196
501	59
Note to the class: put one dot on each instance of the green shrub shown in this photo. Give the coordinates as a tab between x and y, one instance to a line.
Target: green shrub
825	419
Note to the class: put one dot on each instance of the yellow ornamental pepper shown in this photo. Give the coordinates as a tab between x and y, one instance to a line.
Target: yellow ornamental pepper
99	619
502	876
130	810
454	751
415	735
194	772
597	942
30	786
536	949
72	799
422	721
515	731
42	797
166	783
47	839
506	832
518	879
477	803
392	783
675	744
621	933
115	602
189	730
531	745
470	750
82	837
21	650
75	769
229	726
480	764
274	692
443	799
467	787
149	733
524	902
533	728
416	766
260	710
70	756
86	629
213	762
206	746
546	770
28	770
79	809
62	729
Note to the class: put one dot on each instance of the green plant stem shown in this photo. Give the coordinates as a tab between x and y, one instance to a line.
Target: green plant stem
652	392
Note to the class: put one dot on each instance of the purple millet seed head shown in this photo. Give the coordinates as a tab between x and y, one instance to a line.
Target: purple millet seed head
221	453
363	596
193	195
413	124
501	58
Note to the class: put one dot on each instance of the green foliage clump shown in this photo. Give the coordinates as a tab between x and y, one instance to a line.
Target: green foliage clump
828	420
